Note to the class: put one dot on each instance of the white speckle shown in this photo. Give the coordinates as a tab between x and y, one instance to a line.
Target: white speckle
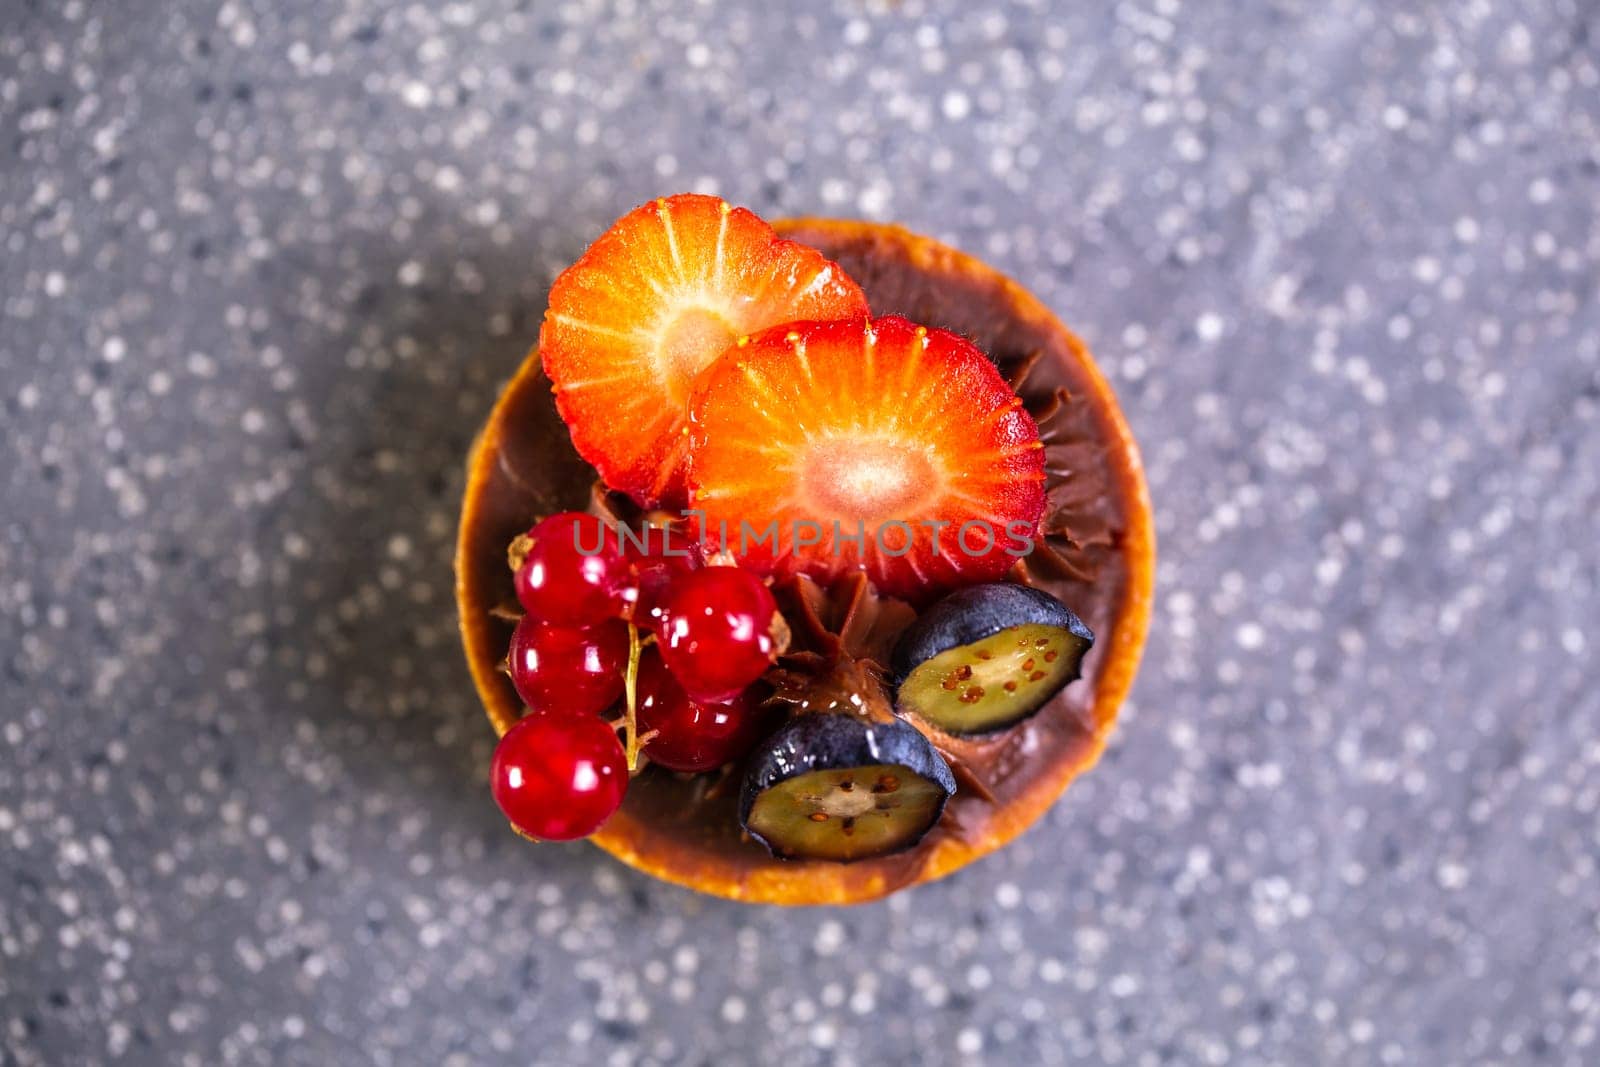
969	1042
1249	635
1426	269
1541	191
1516	45
105	140
874	199
1209	326
410	273
1572	640
416	94
830	938
1395	117
733	1010
955	105
114	349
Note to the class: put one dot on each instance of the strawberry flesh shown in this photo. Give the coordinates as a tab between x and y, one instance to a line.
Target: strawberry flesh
906	434
655	300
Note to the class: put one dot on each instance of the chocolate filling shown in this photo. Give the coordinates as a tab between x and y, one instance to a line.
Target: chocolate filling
536	471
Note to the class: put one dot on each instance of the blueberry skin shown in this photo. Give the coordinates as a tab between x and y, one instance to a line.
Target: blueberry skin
825	741
976	612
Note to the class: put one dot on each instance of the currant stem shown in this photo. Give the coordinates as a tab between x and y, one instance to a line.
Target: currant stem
631	688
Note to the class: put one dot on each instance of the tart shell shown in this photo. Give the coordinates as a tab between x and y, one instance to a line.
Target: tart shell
522	465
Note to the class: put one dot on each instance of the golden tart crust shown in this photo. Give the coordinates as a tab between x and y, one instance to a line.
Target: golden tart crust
1102	565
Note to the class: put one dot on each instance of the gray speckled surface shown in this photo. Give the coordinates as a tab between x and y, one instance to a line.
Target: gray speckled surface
264	265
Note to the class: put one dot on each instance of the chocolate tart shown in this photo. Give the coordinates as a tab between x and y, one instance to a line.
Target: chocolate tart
1098	558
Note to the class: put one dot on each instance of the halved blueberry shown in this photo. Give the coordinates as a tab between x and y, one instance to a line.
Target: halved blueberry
988	656
842	786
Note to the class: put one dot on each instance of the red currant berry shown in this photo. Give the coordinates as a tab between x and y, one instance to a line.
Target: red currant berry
574	573
560	668
558	777
666	553
691	736
723	631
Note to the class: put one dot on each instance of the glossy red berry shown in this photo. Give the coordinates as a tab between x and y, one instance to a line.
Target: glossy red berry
574	573
568	669
660	556
691	736
558	777
722	632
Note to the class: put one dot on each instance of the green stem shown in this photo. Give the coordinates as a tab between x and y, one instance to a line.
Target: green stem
631	688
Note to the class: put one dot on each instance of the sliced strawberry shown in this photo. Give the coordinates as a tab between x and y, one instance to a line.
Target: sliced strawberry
659	296
866	424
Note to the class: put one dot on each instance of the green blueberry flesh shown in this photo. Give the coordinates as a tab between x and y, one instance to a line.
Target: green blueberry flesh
847	814
994	682
988	656
842	786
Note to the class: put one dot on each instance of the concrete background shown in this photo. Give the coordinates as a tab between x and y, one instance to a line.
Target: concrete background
265	263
